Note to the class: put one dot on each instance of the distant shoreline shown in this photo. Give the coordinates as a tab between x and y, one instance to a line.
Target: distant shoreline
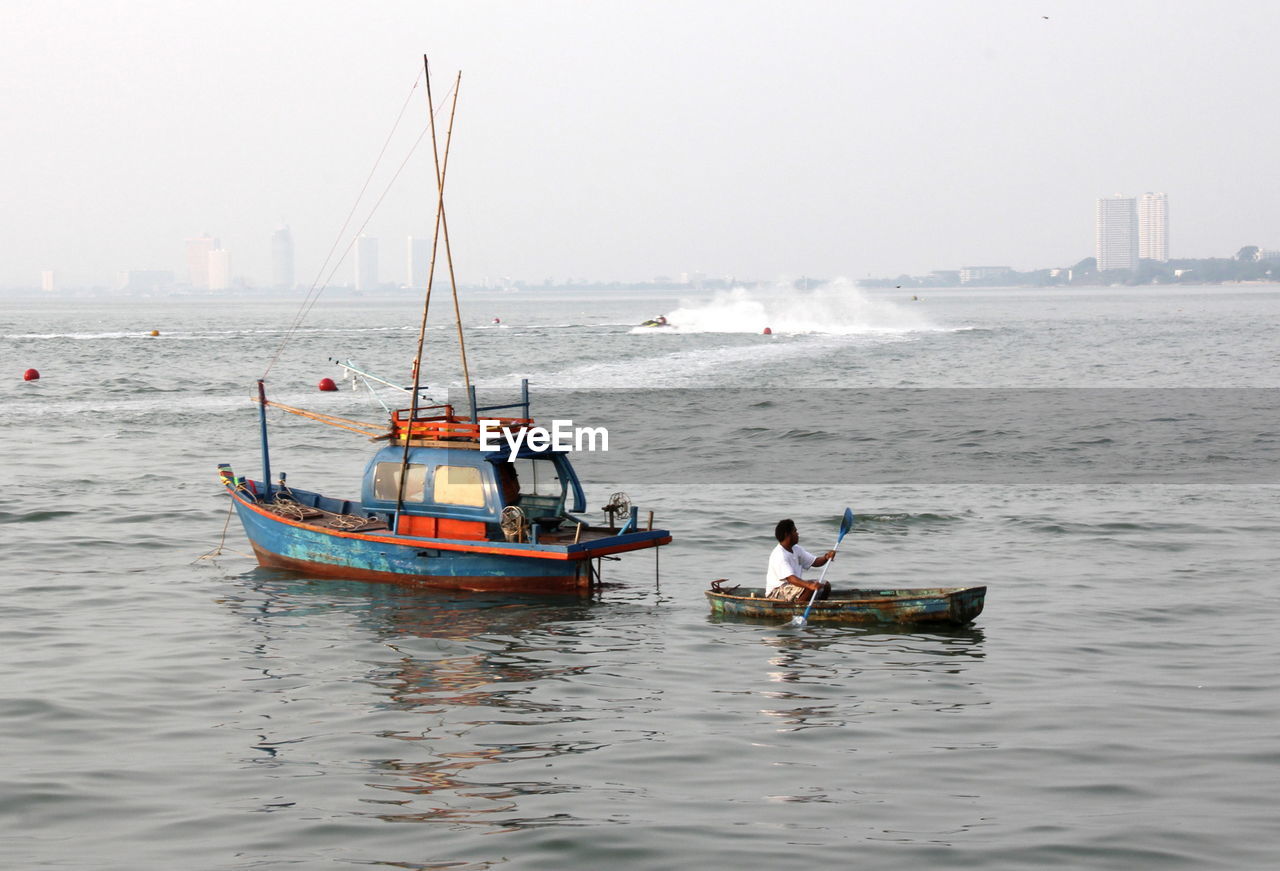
347	294
1078	285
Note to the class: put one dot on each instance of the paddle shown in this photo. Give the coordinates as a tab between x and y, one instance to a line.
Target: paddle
845	525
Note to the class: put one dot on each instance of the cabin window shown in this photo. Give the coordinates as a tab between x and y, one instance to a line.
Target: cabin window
386	482
538	477
458	485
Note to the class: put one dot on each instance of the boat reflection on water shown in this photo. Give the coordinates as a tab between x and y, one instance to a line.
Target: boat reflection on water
451	680
846	675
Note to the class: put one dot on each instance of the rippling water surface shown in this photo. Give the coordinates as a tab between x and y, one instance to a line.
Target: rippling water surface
1113	707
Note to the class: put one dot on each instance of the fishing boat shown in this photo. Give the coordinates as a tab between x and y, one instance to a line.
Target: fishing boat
438	510
939	606
461	501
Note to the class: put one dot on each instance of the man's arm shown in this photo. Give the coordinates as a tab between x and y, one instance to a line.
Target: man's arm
825	558
801	582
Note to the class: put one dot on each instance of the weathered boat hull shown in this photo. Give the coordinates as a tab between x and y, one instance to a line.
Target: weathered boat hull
945	606
480	566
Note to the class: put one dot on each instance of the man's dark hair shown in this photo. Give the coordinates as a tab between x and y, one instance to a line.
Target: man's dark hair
784	528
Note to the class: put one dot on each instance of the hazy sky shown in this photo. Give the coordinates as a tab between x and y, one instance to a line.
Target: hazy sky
618	140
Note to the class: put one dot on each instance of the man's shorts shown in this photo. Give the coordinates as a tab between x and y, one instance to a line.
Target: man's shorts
789	592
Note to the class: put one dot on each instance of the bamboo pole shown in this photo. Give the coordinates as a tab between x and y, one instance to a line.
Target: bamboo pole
440	170
448	252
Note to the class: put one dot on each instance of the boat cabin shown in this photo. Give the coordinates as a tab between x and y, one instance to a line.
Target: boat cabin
459	493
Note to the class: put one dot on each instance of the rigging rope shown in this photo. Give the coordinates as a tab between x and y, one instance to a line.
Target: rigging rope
360	426
317	286
221	548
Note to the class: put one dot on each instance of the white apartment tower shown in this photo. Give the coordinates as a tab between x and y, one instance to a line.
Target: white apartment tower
366	263
1116	238
418	252
1153	227
219	269
282	259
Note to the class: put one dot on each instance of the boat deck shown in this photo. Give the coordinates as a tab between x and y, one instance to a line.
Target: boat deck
566	534
321	518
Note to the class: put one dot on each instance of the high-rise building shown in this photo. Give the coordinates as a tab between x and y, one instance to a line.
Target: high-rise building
1116	239
198	259
979	274
418	252
145	280
1153	227
219	269
47	281
366	263
282	259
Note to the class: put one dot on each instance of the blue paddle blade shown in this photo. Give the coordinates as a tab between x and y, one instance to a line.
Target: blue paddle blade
845	525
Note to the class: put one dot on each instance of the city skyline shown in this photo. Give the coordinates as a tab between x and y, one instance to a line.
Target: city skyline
1127	231
858	139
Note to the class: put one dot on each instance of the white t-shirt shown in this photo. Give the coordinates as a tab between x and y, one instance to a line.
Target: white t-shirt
784	563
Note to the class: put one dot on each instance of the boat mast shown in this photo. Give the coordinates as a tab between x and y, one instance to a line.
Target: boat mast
441	168
448	249
266	455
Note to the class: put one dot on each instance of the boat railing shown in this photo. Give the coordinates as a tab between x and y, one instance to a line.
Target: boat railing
438	423
633	522
523	404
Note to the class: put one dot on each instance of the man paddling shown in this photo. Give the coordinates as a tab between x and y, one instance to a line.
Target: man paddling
787	565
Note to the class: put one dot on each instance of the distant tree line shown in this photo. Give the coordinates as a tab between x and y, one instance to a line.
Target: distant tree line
1247	265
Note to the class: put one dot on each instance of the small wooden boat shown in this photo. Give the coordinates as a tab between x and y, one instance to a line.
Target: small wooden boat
941	606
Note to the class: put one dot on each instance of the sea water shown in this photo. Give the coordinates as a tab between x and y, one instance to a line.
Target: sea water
1103	460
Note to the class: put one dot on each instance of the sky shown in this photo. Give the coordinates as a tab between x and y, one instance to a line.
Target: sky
626	140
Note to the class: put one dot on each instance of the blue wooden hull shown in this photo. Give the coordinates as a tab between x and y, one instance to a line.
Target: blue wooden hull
458	564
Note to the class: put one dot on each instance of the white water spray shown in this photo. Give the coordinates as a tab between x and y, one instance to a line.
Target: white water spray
838	308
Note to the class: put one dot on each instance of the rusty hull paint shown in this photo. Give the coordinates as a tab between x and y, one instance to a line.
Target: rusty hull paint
583	551
579	581
319	552
949	606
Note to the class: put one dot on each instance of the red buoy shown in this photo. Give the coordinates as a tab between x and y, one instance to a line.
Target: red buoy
31	375
327	385
768	332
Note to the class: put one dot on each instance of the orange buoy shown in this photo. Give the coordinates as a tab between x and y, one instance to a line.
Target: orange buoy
155	332
768	332
31	375
327	385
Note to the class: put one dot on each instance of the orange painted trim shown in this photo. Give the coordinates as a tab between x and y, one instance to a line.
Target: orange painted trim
623	548
577	583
